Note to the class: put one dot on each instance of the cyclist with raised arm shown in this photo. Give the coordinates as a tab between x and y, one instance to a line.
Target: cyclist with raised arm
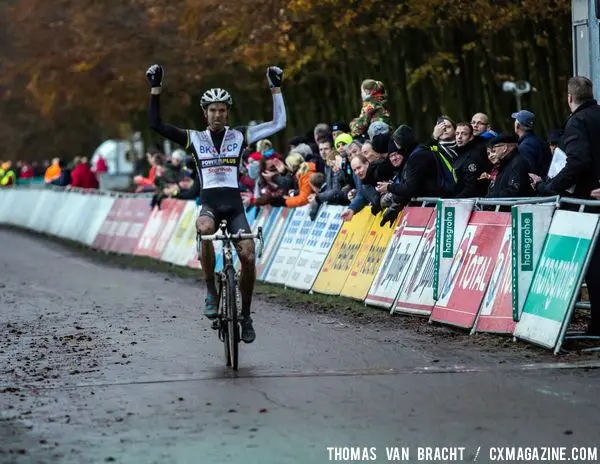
217	152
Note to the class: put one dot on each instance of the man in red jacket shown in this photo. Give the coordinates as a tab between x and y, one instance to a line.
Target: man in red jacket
83	177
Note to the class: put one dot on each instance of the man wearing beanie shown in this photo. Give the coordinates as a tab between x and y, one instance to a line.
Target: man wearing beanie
419	177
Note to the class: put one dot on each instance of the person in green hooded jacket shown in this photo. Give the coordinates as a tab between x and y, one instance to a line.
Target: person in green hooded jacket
374	108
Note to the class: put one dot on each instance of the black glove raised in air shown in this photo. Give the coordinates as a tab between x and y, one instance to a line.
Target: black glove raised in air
155	74
274	76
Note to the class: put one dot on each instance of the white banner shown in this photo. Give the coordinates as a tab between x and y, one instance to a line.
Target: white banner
451	222
530	224
316	248
291	245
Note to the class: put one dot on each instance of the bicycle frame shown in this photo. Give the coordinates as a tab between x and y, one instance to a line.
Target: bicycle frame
228	304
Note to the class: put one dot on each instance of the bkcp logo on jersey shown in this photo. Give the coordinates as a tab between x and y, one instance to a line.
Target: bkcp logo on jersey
204	149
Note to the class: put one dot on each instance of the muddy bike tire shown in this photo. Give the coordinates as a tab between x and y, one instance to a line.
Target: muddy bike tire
233	328
222	316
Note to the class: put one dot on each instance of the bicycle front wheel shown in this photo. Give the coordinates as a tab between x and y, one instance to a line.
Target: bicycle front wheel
232	319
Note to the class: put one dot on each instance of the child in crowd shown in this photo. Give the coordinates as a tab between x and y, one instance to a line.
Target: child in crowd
374	108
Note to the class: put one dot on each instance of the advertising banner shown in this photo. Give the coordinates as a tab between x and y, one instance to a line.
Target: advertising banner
159	227
336	267
314	252
530	224
107	232
369	259
182	245
275	234
416	294
557	279
398	257
495	314
292	242
471	270
131	219
452	219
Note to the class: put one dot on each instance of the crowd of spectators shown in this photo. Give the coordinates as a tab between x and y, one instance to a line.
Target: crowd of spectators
77	173
369	163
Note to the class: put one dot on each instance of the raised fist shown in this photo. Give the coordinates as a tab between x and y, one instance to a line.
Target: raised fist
155	74
274	76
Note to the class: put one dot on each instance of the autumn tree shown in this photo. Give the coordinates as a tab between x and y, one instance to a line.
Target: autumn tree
73	72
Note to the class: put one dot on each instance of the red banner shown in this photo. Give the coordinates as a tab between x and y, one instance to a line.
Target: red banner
109	227
495	314
133	215
471	271
158	229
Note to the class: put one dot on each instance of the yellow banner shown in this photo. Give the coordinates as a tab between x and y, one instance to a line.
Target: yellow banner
368	259
344	251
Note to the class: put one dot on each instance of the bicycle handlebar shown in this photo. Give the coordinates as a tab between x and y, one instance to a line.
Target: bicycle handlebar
223	234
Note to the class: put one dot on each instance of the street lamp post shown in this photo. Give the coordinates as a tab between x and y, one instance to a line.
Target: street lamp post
518	89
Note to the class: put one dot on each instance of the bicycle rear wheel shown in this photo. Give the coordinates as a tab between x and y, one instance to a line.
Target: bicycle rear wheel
233	329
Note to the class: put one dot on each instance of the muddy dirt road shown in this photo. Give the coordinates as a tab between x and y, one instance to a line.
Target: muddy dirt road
104	364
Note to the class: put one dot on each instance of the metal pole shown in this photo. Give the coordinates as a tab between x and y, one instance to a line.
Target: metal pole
518	102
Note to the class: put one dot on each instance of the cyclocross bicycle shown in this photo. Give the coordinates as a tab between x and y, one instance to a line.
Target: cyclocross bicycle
227	320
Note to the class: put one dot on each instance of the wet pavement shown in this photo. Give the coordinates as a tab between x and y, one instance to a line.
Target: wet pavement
105	364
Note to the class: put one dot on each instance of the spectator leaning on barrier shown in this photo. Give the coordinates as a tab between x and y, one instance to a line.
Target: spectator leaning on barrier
420	176
302	171
469	164
510	176
581	143
394	163
8	176
83	176
368	151
533	148
64	177
368	175
444	137
53	171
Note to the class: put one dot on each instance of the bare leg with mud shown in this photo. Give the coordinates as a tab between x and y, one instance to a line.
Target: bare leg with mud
206	226
246	253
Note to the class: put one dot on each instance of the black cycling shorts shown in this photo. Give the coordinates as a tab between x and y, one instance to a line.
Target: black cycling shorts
233	213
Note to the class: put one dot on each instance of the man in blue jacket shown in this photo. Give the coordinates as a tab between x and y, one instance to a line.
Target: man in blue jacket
533	148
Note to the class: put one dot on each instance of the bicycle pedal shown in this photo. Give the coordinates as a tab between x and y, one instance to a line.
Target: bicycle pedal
215	324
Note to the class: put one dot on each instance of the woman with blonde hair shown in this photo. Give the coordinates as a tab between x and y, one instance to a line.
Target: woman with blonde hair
302	171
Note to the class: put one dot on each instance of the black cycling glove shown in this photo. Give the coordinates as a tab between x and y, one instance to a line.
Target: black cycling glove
155	74
274	76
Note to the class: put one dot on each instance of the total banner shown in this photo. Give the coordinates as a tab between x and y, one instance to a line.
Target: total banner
401	250
557	279
416	294
471	270
495	314
314	252
342	254
452	219
291	245
530	224
368	259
